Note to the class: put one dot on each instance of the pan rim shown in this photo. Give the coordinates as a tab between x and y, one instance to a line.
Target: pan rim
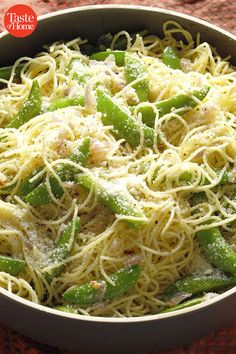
145	318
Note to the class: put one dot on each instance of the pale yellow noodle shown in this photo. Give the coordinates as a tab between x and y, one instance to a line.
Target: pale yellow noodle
200	143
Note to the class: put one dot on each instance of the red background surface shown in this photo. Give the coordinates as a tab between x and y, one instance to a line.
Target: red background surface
219	12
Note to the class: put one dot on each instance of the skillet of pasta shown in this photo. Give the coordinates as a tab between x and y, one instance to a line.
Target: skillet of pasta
117	174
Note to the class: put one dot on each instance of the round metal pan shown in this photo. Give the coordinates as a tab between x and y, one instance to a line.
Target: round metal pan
140	335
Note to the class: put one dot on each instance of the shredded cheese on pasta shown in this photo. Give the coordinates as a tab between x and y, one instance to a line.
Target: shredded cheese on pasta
202	143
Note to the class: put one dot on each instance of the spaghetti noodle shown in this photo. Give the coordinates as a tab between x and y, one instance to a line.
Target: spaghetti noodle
196	148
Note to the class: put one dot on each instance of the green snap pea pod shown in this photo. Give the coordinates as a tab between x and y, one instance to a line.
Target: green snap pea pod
118	55
5	72
124	125
68	309
184	305
198	198
79	70
65	102
79	156
31	107
170	58
217	250
101	290
40	195
198	284
225	178
186	176
121	42
215	247
181	101
26	186
76	65
10	265
176	102
65	242
116	200
135	68
63	248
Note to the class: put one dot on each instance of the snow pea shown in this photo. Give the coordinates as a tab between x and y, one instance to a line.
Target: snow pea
114	199
26	186
197	284
31	107
170	58
11	265
40	195
225	178
118	55
5	72
79	155
134	69
186	176
217	250
124	126
101	290
181	101
75	65
184	305
213	244
68	309
63	248
198	198
176	102
65	102
79	70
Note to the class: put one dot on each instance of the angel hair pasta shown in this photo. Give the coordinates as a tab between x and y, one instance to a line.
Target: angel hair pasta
117	174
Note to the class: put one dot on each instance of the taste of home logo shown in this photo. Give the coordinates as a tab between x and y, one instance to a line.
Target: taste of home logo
20	20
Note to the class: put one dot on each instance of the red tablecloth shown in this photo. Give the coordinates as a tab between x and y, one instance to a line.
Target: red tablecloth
219	12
